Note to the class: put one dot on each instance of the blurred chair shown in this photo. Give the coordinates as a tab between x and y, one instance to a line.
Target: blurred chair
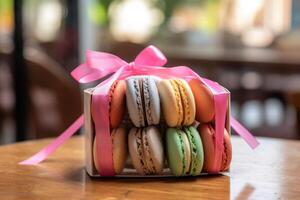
6	100
54	98
294	100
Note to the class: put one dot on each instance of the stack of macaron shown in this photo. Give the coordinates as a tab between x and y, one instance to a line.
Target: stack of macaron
145	141
117	109
163	132
205	113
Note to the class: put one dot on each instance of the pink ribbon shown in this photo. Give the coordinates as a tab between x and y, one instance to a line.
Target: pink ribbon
148	62
50	148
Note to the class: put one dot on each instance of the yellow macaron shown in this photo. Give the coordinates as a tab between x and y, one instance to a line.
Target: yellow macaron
177	101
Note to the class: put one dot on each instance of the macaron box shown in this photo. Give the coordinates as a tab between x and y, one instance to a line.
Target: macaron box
159	126
147	120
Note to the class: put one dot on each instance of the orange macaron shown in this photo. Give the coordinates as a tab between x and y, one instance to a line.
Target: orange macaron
207	134
204	100
117	103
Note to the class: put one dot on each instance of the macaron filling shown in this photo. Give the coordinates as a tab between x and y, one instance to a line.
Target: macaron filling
224	157
227	155
197	160
147	102
139	143
179	134
141	85
139	101
146	149
184	102
178	101
194	151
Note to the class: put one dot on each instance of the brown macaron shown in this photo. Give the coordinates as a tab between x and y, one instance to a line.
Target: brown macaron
146	150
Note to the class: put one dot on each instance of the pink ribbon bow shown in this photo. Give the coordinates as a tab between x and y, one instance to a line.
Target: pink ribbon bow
148	62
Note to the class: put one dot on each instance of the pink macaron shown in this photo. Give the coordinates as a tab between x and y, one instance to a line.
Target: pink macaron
207	134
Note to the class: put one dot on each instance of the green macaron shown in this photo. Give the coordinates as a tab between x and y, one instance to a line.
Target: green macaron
184	151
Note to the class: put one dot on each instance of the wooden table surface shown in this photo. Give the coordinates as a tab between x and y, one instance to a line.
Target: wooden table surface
269	172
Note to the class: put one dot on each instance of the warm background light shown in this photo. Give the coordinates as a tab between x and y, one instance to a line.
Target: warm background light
134	20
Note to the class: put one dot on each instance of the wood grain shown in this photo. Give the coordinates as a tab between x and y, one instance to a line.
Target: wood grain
270	172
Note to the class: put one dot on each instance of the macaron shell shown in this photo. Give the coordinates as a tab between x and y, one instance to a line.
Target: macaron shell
119	142
136	151
117	103
134	102
227	156
95	157
207	135
171	102
197	155
176	151
188	102
205	109
152	101
153	149
120	152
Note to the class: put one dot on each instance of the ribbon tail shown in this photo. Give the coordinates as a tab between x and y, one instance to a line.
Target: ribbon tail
50	148
244	133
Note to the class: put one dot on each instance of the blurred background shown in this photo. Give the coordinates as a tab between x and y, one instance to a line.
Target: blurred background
250	47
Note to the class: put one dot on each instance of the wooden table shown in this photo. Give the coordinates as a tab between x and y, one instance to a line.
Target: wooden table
269	172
